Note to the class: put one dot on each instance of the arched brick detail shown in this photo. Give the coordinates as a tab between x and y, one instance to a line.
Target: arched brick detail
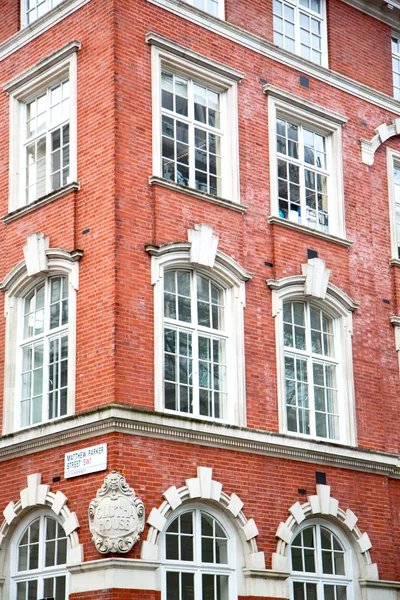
203	487
322	504
39	495
383	133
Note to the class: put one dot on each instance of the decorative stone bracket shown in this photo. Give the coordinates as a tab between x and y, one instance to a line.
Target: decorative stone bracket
383	133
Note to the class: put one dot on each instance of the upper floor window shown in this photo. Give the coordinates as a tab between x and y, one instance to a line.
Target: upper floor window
40	335
41	554
396	66
199	313
195	340
303	174
198	558
299	26
44	352
191	134
43	129
306	164
393	174
321	565
33	9
310	371
47	141
213	7
314	353
195	125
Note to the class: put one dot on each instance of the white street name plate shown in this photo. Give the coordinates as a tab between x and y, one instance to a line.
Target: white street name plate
87	460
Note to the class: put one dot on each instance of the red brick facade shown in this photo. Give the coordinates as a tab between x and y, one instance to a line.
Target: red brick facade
117	213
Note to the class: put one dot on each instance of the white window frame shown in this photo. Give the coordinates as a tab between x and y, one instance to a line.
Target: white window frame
396	55
205	72
324	32
324	122
44	339
220	12
39	573
50	4
342	330
234	329
392	159
24	88
231	568
350	560
14	301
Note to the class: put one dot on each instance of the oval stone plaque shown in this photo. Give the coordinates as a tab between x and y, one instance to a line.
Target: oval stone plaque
116	516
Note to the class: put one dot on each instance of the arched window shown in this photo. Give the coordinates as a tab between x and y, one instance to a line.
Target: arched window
44	352
199	299
195	344
314	356
198	558
39	561
311	392
40	309
321	565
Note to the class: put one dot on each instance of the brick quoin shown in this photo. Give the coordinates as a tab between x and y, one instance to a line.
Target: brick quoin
117	213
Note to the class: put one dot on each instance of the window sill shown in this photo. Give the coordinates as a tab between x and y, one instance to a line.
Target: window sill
24	210
308	231
28	33
394	262
196	194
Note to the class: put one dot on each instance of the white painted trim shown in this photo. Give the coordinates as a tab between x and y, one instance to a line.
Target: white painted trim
204	62
231	276
30	32
376	10
170	185
25	87
308	231
383	133
261	46
310	115
26	78
24	210
338	306
15	285
221	78
128	421
308	107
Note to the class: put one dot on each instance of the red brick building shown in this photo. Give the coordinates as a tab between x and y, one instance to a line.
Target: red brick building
200	279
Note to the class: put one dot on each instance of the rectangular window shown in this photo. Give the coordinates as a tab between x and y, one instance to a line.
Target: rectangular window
47	141
194	345
310	372
299	26
44	374
34	9
43	129
195	122
191	133
305	164
302	172
396	66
